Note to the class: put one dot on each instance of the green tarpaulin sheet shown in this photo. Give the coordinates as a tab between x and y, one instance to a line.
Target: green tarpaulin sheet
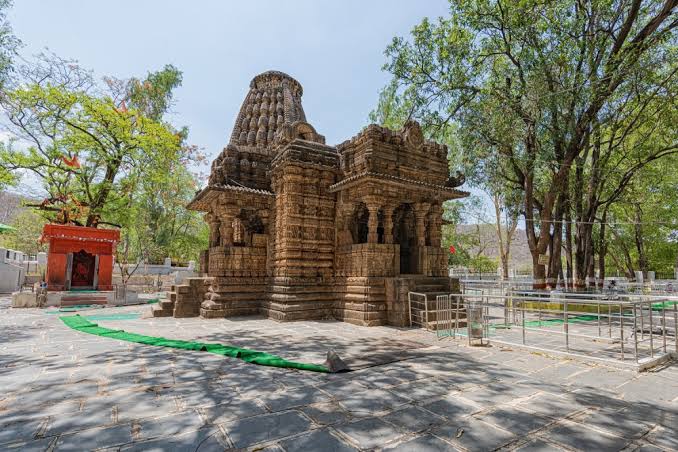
570	319
663	305
5	228
81	324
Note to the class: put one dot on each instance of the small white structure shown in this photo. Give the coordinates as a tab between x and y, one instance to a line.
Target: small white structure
12	270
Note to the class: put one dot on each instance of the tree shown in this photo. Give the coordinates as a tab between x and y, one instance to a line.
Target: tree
25	237
534	83
642	222
106	155
159	225
87	149
8	47
8	43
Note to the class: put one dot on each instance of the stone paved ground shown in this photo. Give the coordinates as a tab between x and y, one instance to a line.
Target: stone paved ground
64	390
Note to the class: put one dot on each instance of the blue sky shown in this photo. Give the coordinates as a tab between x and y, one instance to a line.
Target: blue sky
334	48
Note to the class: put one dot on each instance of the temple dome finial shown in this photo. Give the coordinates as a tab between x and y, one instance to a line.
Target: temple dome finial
274	99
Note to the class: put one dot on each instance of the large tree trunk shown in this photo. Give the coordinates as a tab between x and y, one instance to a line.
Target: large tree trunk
640	241
628	262
590	265
568	248
504	235
555	261
602	249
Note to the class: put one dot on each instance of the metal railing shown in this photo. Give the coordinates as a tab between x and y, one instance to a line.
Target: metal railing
632	329
418	309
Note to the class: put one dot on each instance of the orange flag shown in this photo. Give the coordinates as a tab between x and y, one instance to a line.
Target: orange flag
73	163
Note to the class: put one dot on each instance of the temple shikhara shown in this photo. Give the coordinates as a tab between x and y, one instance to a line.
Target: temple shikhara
300	229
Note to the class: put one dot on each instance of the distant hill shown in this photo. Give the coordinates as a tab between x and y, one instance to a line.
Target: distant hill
10	205
520	257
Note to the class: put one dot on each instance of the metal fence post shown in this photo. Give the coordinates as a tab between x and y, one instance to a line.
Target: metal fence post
522	316
621	330
599	330
651	328
664	325
565	326
635	334
426	311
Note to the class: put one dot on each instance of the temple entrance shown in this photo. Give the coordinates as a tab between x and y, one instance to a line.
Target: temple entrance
404	234
359	224
83	270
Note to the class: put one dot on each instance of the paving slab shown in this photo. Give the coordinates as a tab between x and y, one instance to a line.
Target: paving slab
428	443
83	420
582	438
474	435
231	410
38	445
20	431
295	397
320	440
414	419
269	427
451	407
368	403
515	420
175	424
326	413
539	445
204	440
369	432
96	438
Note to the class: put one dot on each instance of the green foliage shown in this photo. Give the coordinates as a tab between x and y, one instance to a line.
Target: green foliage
8	43
643	222
113	147
552	103
25	236
105	155
159	225
483	264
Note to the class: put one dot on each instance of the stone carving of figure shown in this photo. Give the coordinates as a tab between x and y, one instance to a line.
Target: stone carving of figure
455	181
412	134
238	231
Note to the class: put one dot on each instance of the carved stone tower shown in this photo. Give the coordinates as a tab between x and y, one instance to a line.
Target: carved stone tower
303	230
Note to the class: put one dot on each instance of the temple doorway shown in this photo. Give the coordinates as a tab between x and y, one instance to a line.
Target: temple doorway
83	269
404	234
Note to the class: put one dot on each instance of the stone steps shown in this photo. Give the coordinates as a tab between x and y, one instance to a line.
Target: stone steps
165	307
83	299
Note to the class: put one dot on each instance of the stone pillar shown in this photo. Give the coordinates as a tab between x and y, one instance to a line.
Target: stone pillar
436	222
388	223
213	223
226	216
373	222
420	212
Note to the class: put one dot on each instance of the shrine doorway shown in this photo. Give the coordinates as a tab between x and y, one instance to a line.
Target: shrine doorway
404	234
359	224
83	271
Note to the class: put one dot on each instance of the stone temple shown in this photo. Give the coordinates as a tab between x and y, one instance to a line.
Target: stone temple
300	229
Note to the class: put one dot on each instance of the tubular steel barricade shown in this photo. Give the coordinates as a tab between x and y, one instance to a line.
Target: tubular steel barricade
638	330
418	309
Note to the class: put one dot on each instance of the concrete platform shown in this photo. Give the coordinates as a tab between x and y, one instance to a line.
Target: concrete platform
67	390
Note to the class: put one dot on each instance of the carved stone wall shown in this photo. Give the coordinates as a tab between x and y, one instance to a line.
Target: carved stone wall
368	259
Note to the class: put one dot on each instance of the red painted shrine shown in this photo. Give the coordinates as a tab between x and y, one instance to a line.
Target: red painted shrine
79	258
